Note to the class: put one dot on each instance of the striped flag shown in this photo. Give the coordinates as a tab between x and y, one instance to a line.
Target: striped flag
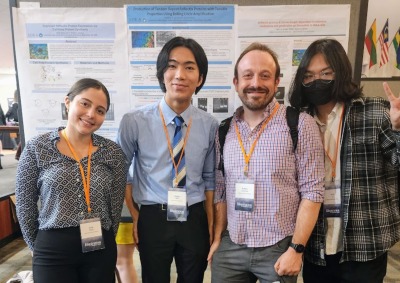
383	41
396	46
370	43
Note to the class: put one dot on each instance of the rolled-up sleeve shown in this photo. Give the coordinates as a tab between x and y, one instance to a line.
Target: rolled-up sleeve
310	160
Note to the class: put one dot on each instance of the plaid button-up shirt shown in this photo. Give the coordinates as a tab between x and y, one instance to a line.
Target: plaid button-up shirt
282	177
370	202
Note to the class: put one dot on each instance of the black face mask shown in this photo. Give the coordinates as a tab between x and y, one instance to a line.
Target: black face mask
319	92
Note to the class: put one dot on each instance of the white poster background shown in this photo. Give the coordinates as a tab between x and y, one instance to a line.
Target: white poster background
382	11
55	47
289	30
212	26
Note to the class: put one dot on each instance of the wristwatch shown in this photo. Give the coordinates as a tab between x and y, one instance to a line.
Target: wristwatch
299	248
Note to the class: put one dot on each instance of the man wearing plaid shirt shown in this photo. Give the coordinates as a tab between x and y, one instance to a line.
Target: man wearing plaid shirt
270	195
360	218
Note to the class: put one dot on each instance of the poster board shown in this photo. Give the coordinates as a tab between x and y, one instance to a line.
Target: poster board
45	121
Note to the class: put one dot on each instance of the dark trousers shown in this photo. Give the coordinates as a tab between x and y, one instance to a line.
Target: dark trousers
160	241
58	257
372	271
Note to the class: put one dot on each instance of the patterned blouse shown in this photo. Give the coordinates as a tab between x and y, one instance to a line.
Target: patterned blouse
54	179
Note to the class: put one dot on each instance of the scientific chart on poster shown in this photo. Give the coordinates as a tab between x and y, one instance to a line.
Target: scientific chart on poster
55	47
212	26
289	30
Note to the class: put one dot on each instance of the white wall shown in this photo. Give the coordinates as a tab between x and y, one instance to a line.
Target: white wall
7	69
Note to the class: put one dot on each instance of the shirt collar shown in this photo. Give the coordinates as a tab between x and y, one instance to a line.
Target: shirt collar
55	137
336	111
170	114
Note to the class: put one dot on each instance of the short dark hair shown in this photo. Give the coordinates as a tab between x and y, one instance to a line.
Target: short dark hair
260	47
84	84
344	88
192	45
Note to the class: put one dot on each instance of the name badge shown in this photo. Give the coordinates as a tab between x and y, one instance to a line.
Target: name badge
91	235
332	200
244	195
177	204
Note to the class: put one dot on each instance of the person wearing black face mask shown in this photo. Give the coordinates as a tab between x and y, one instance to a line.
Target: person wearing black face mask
359	220
318	92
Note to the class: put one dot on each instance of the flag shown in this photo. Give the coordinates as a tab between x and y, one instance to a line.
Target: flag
396	45
383	41
370	41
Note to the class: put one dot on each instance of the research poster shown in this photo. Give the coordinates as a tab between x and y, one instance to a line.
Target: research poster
289	30
57	47
119	46
212	26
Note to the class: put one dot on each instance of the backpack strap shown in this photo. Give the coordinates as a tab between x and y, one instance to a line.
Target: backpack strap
292	118
222	131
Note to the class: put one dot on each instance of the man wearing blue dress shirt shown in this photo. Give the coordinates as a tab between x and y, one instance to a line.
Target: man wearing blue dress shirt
146	136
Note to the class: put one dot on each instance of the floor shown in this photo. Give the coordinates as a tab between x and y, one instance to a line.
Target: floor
15	256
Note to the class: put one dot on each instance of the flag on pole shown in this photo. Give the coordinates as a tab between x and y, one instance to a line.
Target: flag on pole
383	41
370	43
396	46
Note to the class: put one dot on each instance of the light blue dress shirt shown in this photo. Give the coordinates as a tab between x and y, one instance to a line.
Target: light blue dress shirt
141	136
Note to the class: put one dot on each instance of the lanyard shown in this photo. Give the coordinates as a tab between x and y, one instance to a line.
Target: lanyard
247	156
171	151
85	181
334	159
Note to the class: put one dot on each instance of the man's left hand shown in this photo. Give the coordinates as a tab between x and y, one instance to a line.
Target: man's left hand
289	263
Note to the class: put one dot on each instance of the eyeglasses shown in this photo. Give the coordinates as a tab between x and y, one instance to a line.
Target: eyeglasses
325	77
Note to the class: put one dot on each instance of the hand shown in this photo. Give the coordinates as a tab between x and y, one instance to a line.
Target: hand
394	107
289	263
213	249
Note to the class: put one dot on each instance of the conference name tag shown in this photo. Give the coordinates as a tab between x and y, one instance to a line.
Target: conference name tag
91	235
244	195
177	204
332	200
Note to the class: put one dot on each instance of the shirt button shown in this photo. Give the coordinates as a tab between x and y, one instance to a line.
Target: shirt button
77	179
82	213
79	195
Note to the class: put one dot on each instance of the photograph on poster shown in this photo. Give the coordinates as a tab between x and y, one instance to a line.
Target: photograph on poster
220	105
280	95
142	39
202	103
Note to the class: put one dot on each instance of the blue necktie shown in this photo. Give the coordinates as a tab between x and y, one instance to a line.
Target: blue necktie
180	180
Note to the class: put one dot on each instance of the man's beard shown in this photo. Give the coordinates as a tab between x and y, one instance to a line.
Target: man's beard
255	105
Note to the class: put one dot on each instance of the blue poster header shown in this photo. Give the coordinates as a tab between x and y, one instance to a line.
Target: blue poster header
70	30
180	14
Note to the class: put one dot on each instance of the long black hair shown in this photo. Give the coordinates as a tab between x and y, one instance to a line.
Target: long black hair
344	88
